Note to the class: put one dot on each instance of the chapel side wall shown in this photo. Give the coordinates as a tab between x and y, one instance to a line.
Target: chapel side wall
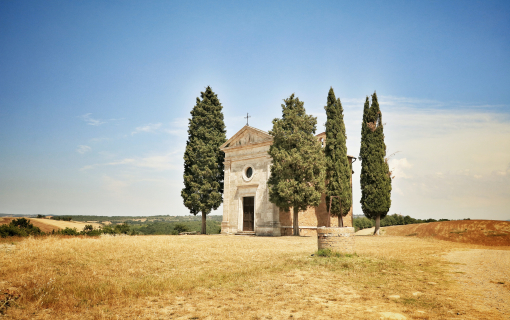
312	217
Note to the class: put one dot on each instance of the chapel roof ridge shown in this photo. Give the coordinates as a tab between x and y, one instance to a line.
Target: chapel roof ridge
241	132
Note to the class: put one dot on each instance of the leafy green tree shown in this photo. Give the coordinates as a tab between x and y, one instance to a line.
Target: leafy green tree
338	173
375	178
298	169
203	159
122	228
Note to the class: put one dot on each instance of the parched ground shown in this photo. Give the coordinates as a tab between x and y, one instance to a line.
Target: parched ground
483	232
222	277
485	275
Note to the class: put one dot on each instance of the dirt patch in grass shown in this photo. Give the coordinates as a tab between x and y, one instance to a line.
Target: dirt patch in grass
217	277
485	275
481	232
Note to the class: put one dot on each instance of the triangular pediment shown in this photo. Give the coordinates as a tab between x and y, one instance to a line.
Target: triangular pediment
247	136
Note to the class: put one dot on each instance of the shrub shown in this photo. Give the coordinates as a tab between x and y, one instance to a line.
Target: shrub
19	227
180	227
68	232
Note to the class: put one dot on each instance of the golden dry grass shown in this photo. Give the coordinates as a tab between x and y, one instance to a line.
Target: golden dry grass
47	225
64	224
218	277
483	232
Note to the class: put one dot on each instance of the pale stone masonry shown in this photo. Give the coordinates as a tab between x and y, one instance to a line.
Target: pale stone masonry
336	239
246	205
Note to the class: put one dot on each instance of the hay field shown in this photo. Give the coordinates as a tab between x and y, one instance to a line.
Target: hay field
483	232
221	277
47	225
59	224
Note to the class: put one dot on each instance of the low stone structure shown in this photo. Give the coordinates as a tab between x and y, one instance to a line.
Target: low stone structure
336	239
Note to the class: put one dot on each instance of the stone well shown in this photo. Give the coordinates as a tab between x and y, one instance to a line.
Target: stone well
336	239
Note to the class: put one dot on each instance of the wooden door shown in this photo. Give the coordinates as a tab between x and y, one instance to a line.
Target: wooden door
248	213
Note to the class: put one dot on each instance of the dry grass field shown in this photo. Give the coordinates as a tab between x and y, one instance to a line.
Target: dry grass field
484	232
47	225
41	225
222	277
60	224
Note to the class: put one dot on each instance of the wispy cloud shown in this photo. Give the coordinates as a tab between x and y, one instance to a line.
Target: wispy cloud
165	162
91	121
83	149
151	127
178	127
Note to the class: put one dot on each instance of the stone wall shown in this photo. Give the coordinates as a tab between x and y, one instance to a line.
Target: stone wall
336	239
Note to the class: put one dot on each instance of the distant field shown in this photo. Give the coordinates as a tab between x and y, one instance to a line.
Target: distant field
65	224
41	225
47	225
482	232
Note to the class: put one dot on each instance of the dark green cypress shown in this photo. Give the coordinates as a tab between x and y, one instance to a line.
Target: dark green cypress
338	173
298	169
375	178
203	159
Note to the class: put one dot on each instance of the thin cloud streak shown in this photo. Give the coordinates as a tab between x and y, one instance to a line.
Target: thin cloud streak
91	121
82	149
151	128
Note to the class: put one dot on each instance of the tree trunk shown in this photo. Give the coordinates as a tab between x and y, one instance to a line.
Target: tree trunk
295	222
377	224
204	226
340	217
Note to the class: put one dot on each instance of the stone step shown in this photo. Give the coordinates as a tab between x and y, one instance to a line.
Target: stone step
245	233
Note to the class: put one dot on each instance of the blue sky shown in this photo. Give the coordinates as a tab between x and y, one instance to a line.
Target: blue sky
95	96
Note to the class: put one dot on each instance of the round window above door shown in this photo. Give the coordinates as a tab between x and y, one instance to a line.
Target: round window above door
248	173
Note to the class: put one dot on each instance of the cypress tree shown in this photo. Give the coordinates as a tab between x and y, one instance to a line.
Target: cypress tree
298	169
203	159
338	173
375	178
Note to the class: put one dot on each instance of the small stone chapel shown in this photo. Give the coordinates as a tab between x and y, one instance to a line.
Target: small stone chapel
246	205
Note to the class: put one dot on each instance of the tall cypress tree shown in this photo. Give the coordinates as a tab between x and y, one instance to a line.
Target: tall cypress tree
298	169
338	173
203	159
375	178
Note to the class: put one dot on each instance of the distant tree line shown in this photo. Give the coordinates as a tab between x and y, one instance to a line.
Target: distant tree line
63	218
165	228
22	227
390	220
136	219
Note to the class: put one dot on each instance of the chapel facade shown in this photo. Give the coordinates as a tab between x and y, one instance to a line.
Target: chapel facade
246	205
